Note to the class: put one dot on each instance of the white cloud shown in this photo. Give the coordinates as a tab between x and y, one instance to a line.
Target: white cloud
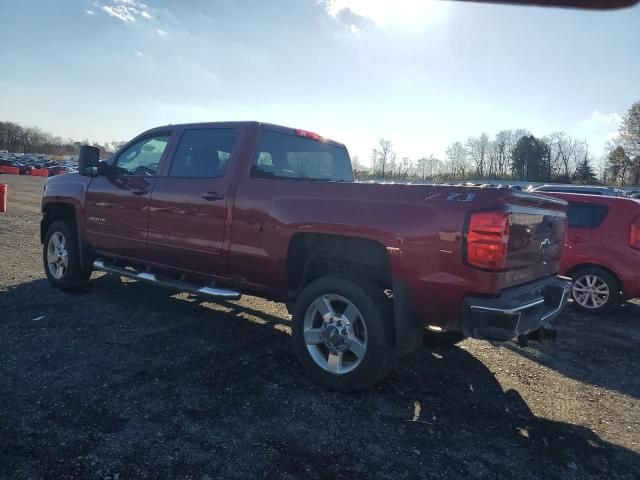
120	12
597	128
610	118
127	11
139	53
90	12
412	15
612	135
161	32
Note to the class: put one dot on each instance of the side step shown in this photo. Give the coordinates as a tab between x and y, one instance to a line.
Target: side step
212	292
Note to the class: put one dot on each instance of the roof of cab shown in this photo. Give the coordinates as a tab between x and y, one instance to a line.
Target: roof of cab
267	126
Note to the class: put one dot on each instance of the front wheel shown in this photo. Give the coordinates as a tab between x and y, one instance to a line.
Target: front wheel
61	257
340	332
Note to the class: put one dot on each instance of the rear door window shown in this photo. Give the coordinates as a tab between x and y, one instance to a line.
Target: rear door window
283	156
586	215
203	153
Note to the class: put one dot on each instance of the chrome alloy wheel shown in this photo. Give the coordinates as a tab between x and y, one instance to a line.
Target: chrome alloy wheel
335	334
57	255
590	291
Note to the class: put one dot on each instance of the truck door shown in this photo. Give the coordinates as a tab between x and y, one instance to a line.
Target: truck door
117	203
188	209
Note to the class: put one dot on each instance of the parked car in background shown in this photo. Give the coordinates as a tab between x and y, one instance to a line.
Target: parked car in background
24	169
583	189
602	250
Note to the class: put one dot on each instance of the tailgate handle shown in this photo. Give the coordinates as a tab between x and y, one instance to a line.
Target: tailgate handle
211	196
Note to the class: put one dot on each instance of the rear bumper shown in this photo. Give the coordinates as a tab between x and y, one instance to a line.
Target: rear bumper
518	310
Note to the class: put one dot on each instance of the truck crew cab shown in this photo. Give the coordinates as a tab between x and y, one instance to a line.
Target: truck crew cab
224	209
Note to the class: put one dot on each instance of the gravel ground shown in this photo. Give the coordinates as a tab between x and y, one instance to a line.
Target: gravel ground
128	381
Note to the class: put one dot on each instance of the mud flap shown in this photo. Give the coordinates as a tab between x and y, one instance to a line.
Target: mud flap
409	330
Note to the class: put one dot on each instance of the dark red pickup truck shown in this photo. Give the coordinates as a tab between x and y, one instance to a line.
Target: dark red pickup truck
220	209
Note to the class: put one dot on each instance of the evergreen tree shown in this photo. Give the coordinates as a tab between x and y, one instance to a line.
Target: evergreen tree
584	173
530	160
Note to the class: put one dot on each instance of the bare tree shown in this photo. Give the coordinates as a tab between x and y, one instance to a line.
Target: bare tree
566	153
502	146
405	167
478	148
457	160
383	159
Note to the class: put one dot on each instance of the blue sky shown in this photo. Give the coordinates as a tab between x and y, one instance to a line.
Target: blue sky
421	73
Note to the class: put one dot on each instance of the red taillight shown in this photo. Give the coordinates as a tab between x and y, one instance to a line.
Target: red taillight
488	239
634	234
309	135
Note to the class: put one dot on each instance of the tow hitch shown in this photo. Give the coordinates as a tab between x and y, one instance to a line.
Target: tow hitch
539	335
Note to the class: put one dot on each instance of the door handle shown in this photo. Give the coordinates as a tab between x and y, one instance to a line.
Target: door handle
577	240
139	191
211	196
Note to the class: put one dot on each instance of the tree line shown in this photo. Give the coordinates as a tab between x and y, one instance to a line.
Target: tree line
21	139
516	155
509	155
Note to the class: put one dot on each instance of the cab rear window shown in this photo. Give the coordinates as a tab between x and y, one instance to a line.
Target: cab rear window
586	215
283	156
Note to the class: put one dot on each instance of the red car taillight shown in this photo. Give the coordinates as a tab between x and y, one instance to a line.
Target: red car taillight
488	239
634	234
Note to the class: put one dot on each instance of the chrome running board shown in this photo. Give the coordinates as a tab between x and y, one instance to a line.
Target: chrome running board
212	292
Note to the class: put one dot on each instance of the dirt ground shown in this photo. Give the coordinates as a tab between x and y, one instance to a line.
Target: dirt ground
129	381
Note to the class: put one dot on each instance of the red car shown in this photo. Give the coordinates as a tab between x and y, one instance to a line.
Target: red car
602	250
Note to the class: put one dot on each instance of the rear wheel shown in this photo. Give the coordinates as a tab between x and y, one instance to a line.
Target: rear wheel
595	290
61	257
340	332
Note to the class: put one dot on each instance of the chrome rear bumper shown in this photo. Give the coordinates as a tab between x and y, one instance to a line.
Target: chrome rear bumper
518	311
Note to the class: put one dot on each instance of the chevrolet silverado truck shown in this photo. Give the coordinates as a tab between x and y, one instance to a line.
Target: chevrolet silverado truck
224	209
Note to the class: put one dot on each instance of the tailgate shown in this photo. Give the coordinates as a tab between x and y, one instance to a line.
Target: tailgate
536	237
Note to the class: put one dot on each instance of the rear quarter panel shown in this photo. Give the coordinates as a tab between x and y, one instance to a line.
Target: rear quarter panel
420	227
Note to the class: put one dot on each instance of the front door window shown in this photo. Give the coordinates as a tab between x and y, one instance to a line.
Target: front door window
143	157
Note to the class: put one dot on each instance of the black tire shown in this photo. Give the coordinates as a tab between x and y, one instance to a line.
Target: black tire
442	338
74	276
375	311
612	284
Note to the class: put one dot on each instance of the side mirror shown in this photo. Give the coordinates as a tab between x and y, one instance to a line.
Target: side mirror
88	160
